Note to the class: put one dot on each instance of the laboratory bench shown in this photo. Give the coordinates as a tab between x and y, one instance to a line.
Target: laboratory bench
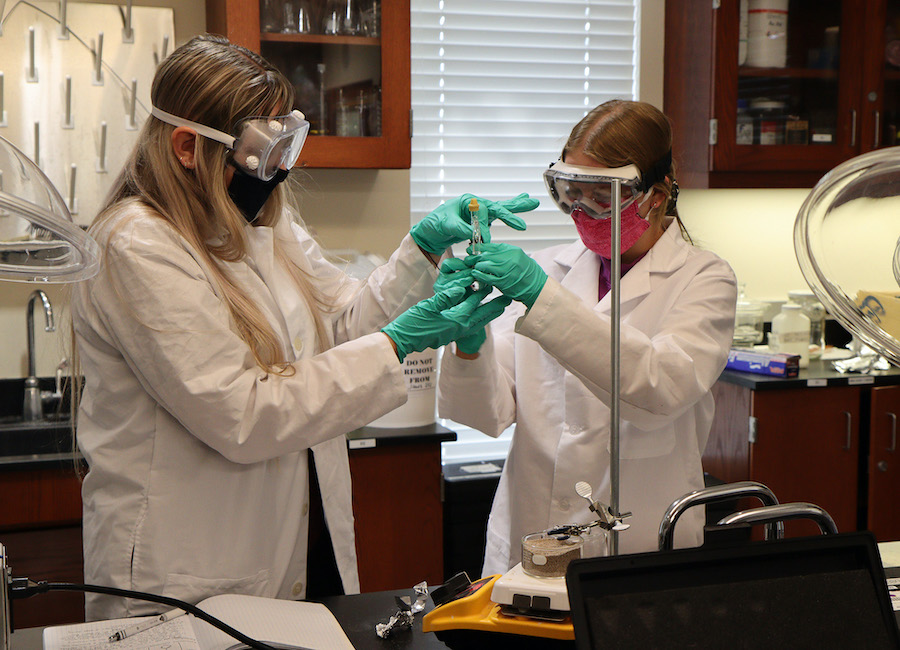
358	615
397	486
822	437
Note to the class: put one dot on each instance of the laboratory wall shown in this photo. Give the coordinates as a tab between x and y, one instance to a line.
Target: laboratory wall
368	210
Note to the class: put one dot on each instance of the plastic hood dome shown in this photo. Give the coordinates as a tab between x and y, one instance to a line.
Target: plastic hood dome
39	242
846	241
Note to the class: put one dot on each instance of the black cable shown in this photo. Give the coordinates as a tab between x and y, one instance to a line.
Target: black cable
23	588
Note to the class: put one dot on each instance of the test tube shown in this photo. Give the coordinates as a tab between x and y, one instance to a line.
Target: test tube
477	239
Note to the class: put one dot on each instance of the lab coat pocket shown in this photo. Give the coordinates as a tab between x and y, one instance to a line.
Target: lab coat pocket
194	589
636	443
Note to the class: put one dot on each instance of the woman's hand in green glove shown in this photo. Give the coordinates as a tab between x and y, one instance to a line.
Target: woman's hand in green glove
510	270
424	326
450	223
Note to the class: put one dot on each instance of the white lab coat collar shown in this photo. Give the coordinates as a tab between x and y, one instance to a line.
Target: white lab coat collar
579	268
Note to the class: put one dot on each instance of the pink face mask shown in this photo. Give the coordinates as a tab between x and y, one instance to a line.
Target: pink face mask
597	233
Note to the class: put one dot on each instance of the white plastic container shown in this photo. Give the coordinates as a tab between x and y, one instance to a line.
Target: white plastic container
420	372
815	311
790	333
767	23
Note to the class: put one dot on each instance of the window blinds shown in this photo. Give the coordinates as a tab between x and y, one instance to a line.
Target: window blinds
496	87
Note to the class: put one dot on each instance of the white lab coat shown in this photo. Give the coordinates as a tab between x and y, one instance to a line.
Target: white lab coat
548	371
198	480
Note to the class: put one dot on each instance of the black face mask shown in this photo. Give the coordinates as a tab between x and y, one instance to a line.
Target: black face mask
250	193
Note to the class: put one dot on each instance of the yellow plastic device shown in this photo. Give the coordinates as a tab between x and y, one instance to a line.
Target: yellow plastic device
474	610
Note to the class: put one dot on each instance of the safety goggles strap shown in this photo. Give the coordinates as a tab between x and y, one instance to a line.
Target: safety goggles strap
657	172
205	131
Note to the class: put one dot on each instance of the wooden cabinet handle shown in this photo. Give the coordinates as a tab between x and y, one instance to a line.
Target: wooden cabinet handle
852	127
849	429
893	446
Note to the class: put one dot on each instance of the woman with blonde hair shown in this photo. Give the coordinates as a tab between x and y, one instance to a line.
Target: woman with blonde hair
546	365
224	358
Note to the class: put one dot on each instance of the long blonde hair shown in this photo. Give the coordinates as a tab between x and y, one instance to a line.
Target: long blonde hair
216	83
622	132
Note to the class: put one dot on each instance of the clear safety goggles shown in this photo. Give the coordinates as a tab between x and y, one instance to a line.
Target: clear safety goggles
590	188
260	145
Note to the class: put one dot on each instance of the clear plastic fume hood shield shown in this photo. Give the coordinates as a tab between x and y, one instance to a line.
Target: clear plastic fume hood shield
39	242
846	241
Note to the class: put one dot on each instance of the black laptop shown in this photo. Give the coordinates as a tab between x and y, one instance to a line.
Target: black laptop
818	592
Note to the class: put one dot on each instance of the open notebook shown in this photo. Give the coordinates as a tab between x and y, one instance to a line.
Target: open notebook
282	623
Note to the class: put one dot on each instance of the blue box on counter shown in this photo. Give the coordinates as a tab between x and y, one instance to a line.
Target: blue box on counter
764	363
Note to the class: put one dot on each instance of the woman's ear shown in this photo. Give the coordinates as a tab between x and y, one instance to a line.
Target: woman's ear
183	141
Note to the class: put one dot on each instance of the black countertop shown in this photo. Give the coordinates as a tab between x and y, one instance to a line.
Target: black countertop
819	374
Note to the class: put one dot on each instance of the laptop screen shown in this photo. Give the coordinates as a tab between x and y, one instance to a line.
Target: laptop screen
820	592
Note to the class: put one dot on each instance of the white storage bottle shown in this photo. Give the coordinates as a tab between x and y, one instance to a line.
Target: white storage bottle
790	332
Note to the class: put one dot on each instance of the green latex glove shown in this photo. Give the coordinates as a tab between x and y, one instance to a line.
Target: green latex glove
509	269
455	273
449	223
423	326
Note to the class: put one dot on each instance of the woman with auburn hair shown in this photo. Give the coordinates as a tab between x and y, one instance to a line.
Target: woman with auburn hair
224	358
545	366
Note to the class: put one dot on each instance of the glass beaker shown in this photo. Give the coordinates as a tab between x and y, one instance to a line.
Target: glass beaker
748	323
270	15
341	17
548	556
370	18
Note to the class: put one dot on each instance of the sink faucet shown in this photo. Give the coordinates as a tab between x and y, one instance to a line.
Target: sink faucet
33	408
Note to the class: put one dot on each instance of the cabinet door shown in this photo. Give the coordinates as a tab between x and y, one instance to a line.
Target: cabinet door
884	465
880	100
350	75
807	449
779	101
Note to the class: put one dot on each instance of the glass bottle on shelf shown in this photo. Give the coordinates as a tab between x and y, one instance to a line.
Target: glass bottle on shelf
270	15
347	120
323	112
289	24
744	133
341	17
370	18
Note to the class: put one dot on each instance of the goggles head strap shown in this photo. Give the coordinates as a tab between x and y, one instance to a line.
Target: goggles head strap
656	173
205	131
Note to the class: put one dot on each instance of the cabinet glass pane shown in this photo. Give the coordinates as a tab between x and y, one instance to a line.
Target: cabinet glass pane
891	120
788	72
330	50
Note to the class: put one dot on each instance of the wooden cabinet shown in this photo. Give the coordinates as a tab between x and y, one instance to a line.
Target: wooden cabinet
354	89
837	94
802	443
399	518
884	465
40	526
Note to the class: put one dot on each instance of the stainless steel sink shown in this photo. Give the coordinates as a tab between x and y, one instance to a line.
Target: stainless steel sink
49	435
